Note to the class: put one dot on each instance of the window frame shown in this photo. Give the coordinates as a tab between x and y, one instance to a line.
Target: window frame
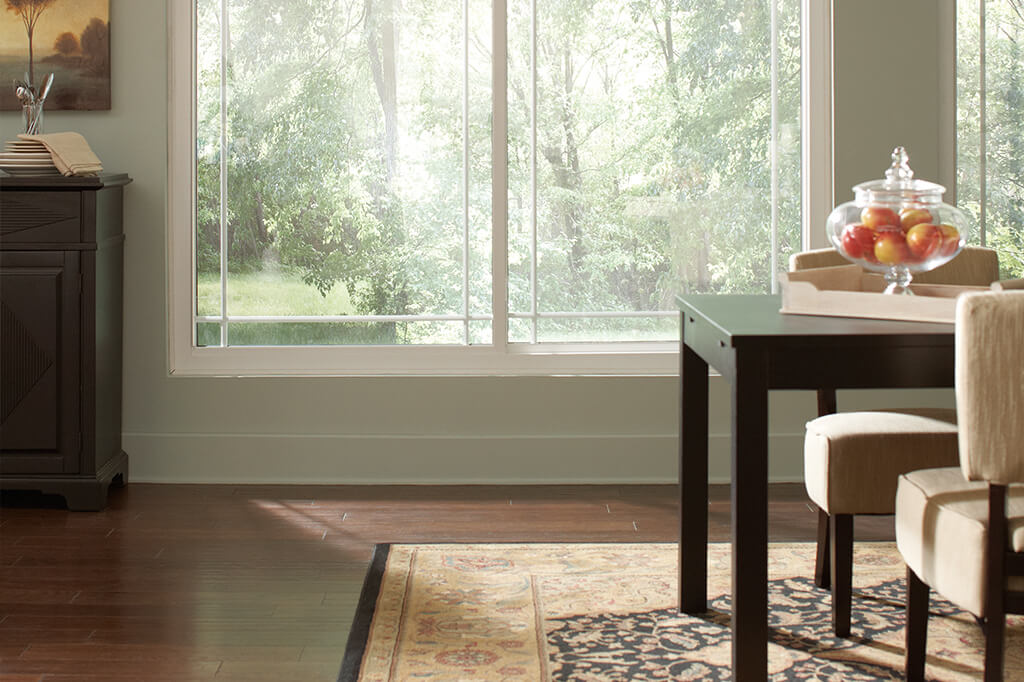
501	357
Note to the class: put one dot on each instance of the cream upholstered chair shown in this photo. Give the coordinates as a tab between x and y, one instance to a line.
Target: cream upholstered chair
973	265
852	460
961	529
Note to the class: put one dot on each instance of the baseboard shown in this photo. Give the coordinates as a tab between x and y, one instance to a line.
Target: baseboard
432	459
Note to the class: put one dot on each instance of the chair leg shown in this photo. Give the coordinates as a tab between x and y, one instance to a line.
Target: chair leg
995	628
995	578
917	626
841	561
826	405
822	577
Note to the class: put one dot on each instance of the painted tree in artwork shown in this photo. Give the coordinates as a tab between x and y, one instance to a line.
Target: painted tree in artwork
66	44
29	11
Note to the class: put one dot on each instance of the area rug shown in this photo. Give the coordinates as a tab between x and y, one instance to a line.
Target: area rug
608	612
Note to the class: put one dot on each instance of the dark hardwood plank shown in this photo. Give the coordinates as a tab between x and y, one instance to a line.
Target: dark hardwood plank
192	582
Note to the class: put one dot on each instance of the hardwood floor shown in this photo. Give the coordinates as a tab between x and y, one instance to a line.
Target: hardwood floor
200	582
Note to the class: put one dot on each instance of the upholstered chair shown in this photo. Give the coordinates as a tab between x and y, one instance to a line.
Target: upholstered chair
961	529
852	460
974	265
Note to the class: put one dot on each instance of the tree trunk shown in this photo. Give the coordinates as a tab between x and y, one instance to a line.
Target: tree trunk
668	49
31	65
565	164
381	44
667	45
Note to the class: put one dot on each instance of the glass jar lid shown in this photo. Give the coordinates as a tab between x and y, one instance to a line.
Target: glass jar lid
899	184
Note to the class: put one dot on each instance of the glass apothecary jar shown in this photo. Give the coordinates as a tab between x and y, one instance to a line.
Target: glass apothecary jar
898	226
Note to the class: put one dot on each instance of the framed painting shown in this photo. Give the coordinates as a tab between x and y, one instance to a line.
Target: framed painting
68	38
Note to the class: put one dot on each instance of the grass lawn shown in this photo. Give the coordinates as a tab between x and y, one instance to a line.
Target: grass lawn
271	291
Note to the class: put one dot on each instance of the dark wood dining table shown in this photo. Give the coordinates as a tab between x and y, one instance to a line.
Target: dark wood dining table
757	349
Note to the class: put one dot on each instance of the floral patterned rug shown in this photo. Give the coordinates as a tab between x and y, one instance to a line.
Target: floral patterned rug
607	612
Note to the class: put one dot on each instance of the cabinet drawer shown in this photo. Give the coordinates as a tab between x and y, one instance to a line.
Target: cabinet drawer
40	218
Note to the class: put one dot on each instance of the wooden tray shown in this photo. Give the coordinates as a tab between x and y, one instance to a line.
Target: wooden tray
848	291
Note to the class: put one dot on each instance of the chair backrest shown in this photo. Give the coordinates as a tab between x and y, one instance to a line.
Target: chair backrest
973	266
990	385
816	258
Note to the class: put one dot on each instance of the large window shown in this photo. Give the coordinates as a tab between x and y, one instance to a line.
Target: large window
990	135
523	185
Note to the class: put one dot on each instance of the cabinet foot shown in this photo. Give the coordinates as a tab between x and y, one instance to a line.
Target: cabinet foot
79	493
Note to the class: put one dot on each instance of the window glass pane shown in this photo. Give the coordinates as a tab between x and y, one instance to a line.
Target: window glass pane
349	171
344	333
990	172
207	334
208	114
583	329
480	332
478	137
788	151
520	330
650	171
346	145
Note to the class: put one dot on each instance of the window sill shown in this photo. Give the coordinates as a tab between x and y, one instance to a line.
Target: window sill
661	359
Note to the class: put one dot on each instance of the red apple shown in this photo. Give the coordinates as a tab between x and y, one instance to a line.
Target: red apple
877	217
914	216
924	240
891	247
858	240
950	238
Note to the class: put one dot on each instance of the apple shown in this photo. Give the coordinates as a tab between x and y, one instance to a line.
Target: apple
913	216
877	217
891	247
950	238
858	240
924	240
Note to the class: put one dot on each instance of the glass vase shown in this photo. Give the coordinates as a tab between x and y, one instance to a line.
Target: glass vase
32	118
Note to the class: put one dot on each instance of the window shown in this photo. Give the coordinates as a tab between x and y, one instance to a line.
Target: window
990	140
523	186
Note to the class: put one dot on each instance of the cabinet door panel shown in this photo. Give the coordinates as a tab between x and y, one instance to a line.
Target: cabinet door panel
39	362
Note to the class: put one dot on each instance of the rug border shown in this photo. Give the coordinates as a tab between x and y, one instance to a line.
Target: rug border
359	633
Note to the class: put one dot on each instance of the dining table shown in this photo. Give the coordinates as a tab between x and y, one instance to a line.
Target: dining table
757	348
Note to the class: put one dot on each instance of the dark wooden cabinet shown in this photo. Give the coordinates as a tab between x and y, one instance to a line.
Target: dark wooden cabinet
61	271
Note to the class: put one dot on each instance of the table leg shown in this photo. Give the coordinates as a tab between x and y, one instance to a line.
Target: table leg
749	519
693	482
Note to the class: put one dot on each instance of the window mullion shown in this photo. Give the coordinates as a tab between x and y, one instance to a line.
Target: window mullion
533	171
225	39
465	170
816	185
773	144
499	175
982	137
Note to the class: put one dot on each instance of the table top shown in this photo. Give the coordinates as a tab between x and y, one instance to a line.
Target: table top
757	317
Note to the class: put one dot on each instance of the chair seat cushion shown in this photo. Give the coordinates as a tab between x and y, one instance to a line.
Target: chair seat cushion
852	460
941	531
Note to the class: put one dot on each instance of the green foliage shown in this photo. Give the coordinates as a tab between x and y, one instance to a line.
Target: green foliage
652	156
1004	138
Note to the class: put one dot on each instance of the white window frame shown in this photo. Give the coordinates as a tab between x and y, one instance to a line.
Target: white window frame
501	358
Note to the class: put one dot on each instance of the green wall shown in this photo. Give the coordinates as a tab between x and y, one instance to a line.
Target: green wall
428	430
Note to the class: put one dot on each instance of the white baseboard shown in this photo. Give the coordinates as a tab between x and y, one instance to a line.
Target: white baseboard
431	459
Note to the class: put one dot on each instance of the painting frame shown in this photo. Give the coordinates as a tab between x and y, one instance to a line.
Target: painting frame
68	38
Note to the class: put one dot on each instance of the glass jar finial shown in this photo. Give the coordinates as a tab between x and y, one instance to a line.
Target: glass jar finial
900	169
